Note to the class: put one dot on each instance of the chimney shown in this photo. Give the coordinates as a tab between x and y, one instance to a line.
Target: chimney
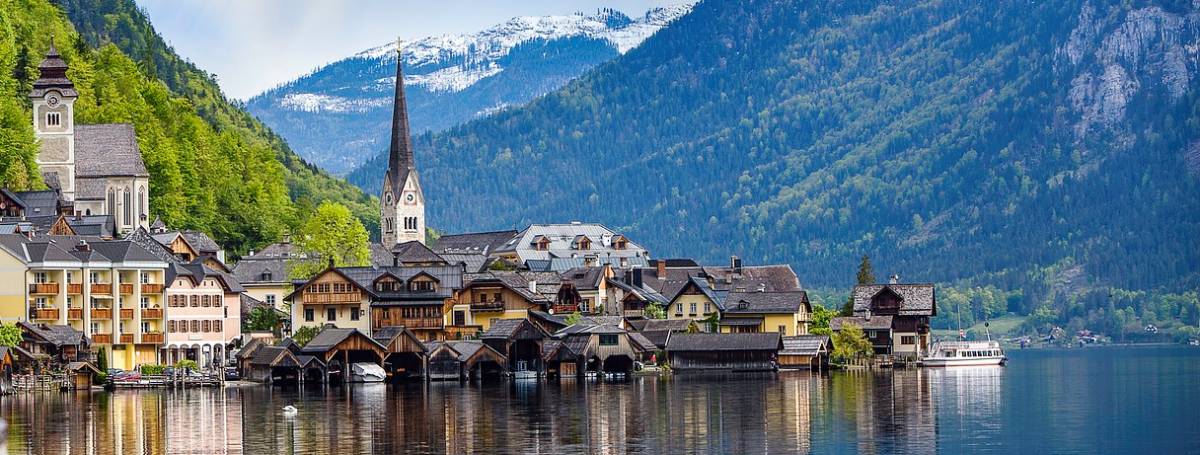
83	246
735	263
395	260
533	286
662	268
894	279
762	287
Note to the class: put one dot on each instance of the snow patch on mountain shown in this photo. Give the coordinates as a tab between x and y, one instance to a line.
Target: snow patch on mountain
316	102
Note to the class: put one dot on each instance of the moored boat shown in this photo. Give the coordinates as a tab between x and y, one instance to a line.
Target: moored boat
965	353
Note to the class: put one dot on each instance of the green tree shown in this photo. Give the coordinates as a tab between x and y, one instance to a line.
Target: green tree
850	343
866	275
263	318
820	320
186	364
10	335
335	236
102	360
655	311
305	334
574	318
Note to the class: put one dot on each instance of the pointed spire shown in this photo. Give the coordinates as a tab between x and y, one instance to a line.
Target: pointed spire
52	74
400	156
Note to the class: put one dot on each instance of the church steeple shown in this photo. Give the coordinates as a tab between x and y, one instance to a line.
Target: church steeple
402	204
53	99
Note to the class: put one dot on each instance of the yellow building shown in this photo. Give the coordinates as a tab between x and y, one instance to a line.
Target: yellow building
492	296
785	312
696	301
112	291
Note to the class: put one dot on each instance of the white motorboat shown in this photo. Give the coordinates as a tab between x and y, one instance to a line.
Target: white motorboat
965	353
367	372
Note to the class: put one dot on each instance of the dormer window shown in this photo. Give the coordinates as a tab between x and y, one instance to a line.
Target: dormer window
583	243
421	286
53	119
620	242
265	276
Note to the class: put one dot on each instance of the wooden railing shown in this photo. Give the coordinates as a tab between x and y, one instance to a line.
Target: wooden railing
75	288
101	288
481	306
634	313
45	313
152	337
75	313
421	322
126	288
102	338
43	288
152	313
126	313
565	309
101	313
152	288
332	297
126	338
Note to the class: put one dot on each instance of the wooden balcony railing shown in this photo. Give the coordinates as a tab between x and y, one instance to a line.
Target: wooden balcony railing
43	288
152	337
75	288
487	306
126	338
126	313
126	288
101	313
102	338
45	313
421	322
634	313
565	309
151	288
152	313
102	288
75	313
332	297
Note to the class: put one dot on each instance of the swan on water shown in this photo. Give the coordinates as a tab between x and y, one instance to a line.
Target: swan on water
289	410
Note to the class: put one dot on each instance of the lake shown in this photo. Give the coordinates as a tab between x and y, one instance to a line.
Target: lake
1102	400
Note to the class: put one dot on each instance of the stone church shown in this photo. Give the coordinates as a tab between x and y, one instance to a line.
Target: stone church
402	204
96	169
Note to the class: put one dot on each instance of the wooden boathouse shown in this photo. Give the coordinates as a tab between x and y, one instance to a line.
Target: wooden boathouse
724	351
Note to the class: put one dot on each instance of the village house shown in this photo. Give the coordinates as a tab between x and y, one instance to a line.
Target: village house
97	169
724	351
895	316
369	298
805	352
560	247
464	359
266	274
473	250
112	291
591	283
696	300
57	343
520	340
203	314
492	296
785	312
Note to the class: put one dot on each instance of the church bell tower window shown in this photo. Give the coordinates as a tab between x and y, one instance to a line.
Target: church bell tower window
53	119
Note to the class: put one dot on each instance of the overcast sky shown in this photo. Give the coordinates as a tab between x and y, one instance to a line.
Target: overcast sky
253	45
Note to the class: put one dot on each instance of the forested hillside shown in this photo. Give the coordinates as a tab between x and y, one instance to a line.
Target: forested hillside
1047	148
213	166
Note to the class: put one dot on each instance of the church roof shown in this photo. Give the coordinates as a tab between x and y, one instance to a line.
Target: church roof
52	76
107	150
400	155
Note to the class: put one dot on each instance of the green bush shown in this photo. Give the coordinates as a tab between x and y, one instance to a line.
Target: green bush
100	378
153	369
186	365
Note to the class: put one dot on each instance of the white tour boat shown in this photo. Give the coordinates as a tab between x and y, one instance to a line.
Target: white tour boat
965	353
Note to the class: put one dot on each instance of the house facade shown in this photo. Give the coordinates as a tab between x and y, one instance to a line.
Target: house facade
909	305
203	314
559	247
112	291
492	296
785	312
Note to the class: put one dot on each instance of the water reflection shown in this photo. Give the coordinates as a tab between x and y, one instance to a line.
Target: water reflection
992	410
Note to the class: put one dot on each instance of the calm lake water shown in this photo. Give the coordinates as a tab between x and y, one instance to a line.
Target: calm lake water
1107	400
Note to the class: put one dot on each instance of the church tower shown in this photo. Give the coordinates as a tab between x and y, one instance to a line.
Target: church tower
53	97
402	204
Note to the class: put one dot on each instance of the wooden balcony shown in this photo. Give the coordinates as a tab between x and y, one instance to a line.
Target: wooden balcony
46	313
564	309
43	288
75	288
333	298
126	288
127	313
102	338
152	337
101	313
102	288
634	313
462	332
421	323
126	338
152	313
75	313
487	306
151	288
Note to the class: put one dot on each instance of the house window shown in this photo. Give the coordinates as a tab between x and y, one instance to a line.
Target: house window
271	299
460	318
145	327
170	326
53	119
39	278
195	300
265	276
608	339
331	314
707	308
145	302
421	286
41	302
908	339
217	326
783	329
112	203
679	308
145	278
196	326
205	326
308	314
128	207
95	328
94	277
354	314
693	308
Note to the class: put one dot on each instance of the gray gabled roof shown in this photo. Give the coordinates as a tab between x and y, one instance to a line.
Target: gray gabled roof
37	203
916	299
871	323
806	345
766	302
413	252
107	150
684	342
57	335
330	337
476	243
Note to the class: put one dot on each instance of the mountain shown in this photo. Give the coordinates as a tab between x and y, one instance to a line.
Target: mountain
213	166
1046	148
337	116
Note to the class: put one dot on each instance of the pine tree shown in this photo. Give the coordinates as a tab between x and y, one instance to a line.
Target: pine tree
866	275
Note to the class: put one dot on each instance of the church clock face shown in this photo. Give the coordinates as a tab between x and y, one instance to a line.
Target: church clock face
410	197
52	100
